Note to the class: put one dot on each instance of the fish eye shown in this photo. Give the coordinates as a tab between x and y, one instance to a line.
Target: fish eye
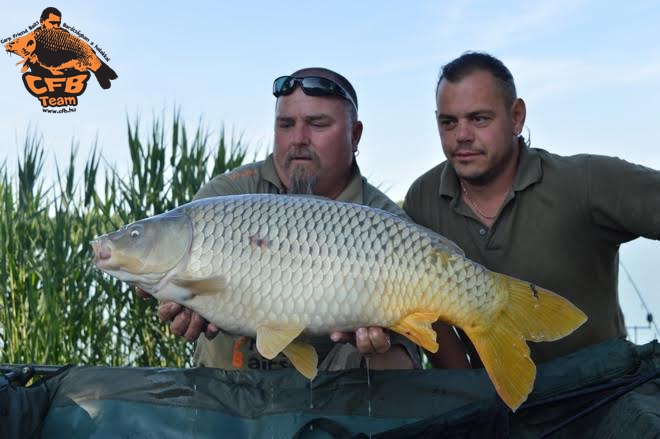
135	233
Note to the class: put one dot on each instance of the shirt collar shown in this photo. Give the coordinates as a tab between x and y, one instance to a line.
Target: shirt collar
269	174
529	172
353	192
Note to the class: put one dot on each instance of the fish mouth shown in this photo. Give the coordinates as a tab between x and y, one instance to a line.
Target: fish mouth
102	252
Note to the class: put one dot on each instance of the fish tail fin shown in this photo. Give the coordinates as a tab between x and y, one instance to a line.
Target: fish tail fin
104	74
530	313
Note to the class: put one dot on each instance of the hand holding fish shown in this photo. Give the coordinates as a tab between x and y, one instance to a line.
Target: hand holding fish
183	322
375	344
186	323
368	341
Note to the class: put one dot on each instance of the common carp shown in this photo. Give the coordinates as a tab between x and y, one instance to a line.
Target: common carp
276	266
56	50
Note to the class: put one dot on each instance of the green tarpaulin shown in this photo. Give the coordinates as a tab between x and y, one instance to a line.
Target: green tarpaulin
96	402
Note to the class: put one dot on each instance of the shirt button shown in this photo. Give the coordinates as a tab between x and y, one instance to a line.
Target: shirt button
482	232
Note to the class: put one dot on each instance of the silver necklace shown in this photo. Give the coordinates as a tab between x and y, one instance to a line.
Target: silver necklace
475	206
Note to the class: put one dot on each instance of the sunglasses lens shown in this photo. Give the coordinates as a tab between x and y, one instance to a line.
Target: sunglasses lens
311	85
283	85
315	86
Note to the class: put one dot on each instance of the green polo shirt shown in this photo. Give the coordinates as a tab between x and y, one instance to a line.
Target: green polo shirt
560	228
231	352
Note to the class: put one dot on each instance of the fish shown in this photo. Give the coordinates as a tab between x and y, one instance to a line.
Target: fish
276	267
56	50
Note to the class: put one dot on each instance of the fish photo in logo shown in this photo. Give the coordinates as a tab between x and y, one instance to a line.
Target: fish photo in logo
56	63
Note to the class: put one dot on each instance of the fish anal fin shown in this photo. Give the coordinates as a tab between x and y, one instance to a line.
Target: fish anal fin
208	285
274	338
417	327
303	357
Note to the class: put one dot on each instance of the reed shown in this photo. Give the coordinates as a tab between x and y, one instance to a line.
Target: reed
55	308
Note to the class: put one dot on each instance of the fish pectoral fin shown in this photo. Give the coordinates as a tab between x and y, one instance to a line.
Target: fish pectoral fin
303	357
207	285
172	292
274	338
418	328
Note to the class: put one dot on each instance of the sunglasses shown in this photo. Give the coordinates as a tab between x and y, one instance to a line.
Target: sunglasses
311	86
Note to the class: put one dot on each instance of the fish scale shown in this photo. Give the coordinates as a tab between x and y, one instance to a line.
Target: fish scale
275	266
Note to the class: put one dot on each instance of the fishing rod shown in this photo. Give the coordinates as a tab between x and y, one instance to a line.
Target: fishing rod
649	315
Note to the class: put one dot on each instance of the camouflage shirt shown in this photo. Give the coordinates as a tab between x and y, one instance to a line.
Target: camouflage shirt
233	352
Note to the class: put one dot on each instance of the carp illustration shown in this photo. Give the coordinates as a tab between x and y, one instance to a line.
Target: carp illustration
57	51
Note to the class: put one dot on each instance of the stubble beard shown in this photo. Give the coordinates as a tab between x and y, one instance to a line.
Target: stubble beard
483	177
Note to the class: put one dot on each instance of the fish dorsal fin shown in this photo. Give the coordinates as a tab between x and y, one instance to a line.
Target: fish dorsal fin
303	357
417	327
206	285
273	338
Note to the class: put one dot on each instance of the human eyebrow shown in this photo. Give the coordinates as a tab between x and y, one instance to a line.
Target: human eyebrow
284	121
319	119
481	114
447	120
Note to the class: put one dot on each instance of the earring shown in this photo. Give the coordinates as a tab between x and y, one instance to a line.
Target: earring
356	153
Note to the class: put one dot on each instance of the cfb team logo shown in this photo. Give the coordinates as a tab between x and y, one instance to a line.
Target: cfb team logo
56	63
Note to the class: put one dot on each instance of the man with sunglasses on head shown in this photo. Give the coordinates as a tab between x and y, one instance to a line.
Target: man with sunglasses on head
317	133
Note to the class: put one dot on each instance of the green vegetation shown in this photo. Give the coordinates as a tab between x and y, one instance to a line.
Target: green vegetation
55	307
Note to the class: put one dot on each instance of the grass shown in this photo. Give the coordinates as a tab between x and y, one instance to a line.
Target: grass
55	307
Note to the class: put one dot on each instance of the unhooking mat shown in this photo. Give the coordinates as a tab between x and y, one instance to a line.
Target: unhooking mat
611	390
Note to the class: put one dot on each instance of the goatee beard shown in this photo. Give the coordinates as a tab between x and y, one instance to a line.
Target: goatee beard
301	182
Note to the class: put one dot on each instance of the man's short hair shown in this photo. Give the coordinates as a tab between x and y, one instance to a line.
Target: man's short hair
470	62
335	77
50	10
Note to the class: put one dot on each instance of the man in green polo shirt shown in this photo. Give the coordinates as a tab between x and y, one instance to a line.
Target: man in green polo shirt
316	139
555	221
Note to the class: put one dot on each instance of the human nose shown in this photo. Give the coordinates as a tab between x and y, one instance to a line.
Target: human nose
300	134
464	132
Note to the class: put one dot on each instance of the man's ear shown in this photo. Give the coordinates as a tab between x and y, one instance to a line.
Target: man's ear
518	114
356	134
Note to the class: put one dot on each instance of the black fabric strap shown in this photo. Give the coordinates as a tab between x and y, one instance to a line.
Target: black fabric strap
623	390
333	428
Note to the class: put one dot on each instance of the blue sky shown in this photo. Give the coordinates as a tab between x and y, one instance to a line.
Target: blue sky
589	72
